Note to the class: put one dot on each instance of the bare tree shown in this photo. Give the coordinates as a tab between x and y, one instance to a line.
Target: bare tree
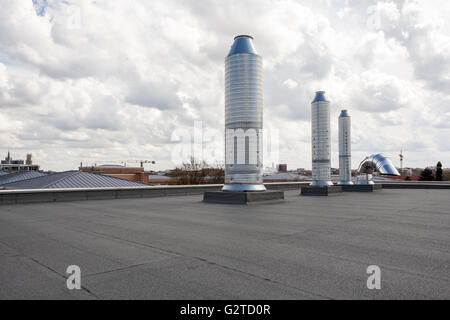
197	172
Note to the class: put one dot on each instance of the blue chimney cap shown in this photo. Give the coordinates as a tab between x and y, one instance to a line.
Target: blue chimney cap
320	96
344	114
242	44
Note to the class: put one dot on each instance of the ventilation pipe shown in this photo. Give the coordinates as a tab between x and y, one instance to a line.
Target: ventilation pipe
376	163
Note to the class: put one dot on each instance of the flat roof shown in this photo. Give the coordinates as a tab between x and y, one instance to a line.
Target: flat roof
181	248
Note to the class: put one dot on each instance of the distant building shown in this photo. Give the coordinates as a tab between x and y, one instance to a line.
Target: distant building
285	177
406	172
282	168
11	165
136	174
304	172
446	176
128	173
159	179
417	172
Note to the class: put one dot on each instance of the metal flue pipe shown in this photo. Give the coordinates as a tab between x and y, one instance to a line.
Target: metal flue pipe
377	163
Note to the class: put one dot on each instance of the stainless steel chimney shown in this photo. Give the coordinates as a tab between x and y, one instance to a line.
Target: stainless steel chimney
243	117
320	136
345	149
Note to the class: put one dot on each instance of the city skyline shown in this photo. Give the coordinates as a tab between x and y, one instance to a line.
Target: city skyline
101	81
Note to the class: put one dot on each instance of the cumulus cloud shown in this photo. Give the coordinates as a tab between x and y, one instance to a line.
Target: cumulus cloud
94	81
378	92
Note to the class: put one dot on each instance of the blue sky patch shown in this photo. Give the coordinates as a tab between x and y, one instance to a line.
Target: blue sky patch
40	6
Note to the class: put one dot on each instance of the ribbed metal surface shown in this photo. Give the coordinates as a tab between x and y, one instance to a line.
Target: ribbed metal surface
320	136
376	163
345	149
74	179
243	117
19	176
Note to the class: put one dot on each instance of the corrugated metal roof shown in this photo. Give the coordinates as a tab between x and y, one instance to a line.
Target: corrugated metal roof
74	179
20	176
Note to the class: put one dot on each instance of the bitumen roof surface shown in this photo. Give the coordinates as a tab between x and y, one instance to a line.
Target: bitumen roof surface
181	248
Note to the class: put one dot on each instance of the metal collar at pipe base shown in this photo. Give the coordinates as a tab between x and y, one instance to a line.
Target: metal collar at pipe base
244	187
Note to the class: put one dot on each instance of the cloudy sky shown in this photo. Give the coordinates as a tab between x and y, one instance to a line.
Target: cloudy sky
102	80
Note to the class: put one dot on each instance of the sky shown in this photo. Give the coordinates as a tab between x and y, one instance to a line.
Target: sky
101	81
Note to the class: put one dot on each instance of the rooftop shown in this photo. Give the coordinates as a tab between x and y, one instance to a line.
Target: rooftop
20	176
181	248
71	179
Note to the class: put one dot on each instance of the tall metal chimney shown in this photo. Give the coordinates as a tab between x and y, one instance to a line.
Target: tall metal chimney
320	135
345	149
243	117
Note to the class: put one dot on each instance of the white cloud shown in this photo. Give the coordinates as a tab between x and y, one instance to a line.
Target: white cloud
291	84
98	80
